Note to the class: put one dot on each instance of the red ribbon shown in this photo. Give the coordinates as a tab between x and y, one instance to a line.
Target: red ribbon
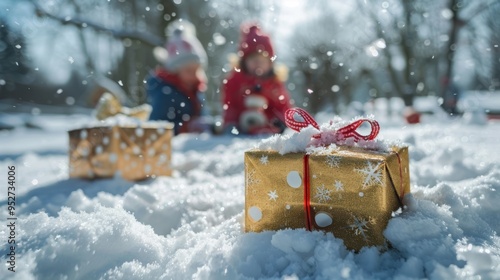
348	131
296	125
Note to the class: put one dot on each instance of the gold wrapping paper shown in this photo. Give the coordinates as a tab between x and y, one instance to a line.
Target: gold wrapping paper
135	153
353	192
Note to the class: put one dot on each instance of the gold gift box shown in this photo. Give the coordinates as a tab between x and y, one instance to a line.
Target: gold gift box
352	192
134	152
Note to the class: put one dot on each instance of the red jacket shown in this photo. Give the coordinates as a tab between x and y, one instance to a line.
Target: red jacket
240	85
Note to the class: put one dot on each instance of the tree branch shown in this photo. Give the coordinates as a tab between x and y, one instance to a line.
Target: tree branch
483	7
144	37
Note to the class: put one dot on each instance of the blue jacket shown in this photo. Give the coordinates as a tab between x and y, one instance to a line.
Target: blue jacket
169	104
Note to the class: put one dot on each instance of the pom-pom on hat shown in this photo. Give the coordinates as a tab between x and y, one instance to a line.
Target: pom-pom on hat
253	40
181	48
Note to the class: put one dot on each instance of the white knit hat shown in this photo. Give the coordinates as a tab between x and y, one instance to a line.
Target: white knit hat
182	47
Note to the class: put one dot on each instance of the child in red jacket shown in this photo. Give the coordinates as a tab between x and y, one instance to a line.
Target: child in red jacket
254	99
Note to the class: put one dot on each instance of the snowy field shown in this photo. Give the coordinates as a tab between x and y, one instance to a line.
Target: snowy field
190	226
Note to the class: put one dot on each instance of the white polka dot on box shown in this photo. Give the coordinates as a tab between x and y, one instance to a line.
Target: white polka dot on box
353	199
132	151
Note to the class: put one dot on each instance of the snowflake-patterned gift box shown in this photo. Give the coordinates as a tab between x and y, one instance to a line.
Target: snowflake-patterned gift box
352	192
132	151
349	191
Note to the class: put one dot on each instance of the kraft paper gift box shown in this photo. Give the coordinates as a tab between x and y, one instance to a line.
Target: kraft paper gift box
348	191
133	151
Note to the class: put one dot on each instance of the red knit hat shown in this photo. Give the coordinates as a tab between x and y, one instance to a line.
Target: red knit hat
253	40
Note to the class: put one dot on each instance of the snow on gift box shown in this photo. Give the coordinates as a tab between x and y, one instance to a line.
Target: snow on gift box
328	178
121	145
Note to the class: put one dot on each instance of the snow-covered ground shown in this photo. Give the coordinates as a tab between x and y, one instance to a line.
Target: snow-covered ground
190	226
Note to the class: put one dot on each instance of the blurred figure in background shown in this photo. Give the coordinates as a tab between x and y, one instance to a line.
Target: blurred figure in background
175	89
254	98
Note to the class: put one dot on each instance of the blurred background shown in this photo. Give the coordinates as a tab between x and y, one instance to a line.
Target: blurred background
343	57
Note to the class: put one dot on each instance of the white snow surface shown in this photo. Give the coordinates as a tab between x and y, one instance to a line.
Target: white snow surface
190	226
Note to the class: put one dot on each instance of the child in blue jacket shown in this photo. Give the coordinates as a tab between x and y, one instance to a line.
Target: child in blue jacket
176	88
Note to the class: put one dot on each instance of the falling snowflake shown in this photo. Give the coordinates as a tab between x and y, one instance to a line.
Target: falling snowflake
333	161
322	194
372	174
264	160
272	195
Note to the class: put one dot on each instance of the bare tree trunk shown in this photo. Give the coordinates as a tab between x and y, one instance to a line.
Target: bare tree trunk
393	73
409	40
448	103
90	67
494	24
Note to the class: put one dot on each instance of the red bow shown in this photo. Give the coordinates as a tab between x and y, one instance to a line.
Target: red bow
348	131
